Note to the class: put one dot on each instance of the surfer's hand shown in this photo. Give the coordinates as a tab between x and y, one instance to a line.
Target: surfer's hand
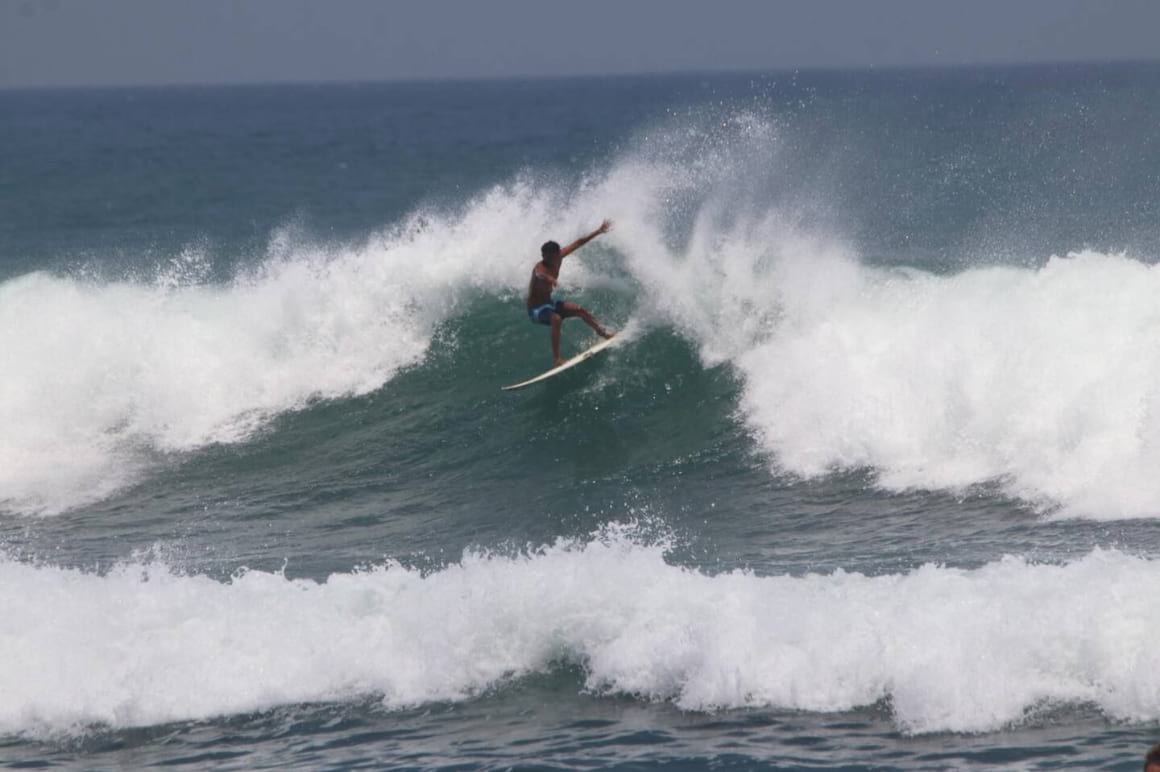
605	227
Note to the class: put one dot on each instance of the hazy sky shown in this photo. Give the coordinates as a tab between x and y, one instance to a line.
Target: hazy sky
83	42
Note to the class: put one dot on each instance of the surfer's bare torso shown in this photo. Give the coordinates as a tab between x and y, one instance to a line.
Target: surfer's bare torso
543	281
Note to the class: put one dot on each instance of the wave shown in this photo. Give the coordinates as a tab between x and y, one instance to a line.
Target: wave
1040	380
946	649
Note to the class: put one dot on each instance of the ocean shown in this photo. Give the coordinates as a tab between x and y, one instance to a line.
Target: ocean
870	481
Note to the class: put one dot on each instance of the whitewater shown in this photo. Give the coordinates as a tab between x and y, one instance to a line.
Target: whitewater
947	649
868	484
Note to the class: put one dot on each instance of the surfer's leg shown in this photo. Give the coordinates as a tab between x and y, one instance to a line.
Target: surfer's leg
568	310
555	321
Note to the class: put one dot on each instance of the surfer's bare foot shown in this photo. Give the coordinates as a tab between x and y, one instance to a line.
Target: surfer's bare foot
606	334
558	362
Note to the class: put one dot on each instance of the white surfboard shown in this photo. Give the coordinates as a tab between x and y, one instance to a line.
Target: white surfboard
592	350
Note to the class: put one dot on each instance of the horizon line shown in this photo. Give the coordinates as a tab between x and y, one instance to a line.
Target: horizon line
531	77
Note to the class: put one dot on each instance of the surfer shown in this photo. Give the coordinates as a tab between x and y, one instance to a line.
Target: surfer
545	276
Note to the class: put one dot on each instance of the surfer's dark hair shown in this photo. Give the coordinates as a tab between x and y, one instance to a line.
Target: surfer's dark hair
549	249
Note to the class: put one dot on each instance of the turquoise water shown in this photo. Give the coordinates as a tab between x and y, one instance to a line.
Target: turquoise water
868	484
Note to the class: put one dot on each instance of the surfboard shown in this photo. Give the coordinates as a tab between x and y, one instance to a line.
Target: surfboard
591	351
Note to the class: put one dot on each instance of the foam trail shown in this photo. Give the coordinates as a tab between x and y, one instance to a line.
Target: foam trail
950	649
103	378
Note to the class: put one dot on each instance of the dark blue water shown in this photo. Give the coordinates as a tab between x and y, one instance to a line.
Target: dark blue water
868	482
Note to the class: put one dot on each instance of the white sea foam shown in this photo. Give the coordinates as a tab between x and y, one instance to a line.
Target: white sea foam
947	649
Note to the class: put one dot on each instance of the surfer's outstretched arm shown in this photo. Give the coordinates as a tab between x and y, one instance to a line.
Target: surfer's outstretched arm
604	227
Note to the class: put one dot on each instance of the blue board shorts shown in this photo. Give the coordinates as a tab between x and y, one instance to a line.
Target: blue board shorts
543	314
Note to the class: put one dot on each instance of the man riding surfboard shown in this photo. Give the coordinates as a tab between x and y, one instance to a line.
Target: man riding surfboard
542	309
